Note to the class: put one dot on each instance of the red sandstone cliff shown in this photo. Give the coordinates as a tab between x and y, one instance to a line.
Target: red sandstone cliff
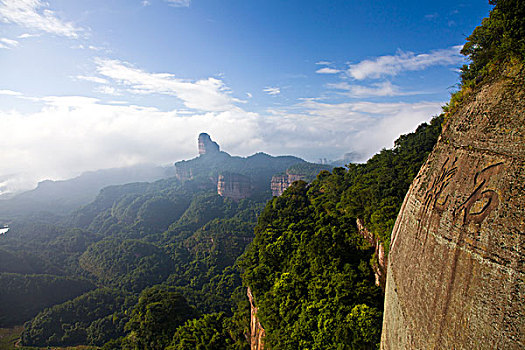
281	182
379	263
456	264
206	145
234	186
256	330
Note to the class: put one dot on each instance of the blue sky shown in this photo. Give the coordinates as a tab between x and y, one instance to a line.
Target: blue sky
97	84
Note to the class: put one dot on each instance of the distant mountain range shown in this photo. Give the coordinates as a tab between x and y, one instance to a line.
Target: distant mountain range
254	174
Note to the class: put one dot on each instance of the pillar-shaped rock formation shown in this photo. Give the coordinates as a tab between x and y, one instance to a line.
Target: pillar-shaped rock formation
206	145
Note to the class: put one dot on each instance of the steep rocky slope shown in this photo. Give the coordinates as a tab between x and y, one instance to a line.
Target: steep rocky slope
234	186
456	265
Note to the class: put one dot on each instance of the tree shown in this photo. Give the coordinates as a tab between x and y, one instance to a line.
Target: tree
155	319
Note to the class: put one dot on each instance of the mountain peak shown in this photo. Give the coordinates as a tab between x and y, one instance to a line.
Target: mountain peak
206	145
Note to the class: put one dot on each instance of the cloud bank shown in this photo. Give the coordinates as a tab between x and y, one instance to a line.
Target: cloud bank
73	134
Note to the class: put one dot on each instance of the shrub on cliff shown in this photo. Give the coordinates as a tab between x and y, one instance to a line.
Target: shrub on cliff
499	38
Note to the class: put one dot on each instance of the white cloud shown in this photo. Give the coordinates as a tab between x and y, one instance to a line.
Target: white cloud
272	91
327	70
95	48
108	90
385	88
27	35
72	134
178	3
34	14
145	3
404	61
323	63
206	95
97	80
330	130
8	43
10	93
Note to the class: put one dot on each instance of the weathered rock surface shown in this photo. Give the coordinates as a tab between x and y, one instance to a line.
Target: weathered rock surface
206	145
183	171
234	186
379	263
281	182
256	330
456	265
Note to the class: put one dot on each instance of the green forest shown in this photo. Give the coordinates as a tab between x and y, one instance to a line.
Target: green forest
167	264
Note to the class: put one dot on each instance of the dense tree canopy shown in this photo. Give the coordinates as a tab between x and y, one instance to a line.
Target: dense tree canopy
308	267
499	39
155	318
93	318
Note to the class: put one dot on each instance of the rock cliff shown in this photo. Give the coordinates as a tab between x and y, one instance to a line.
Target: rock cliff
283	181
456	265
206	145
379	262
234	186
256	330
183	172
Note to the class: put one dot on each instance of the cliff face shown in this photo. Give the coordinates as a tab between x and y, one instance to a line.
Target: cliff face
234	186
256	330
456	265
379	264
206	145
183	172
281	182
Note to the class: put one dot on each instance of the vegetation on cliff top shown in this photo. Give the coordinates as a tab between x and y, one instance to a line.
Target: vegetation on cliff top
496	46
308	267
499	39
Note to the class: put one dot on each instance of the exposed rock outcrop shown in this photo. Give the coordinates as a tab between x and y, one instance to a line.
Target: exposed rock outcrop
456	264
206	145
281	182
234	186
379	261
183	171
256	330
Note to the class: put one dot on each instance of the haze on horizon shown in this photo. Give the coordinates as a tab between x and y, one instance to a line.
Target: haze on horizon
94	85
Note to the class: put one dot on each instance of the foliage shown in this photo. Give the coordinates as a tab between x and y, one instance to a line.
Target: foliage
9	337
41	248
22	296
499	39
374	191
209	332
308	267
129	264
158	313
308	170
92	318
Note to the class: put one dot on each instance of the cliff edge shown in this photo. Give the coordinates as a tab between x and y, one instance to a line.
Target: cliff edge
456	269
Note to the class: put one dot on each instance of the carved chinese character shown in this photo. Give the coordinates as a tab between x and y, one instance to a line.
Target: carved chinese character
482	201
434	196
